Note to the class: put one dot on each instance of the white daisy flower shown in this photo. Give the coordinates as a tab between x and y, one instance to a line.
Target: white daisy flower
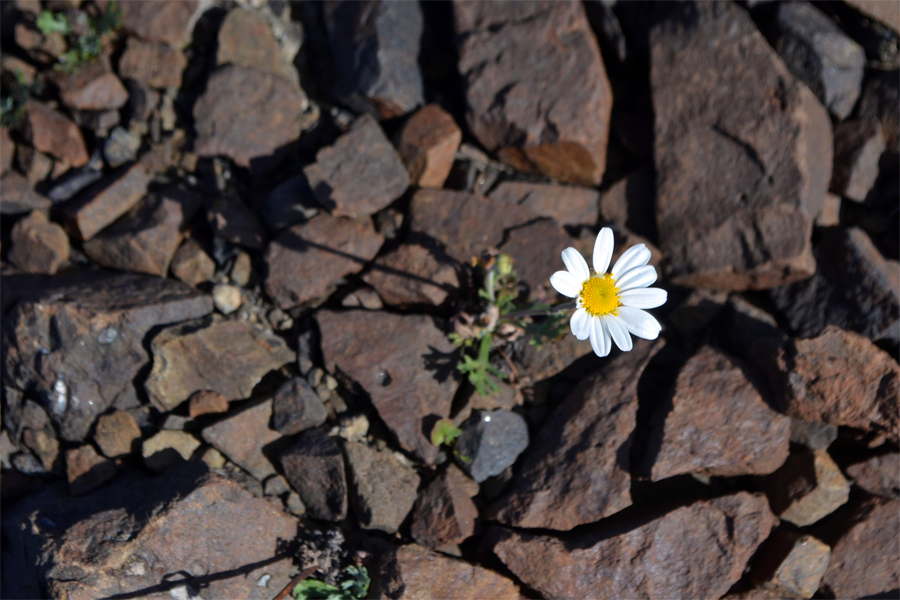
610	305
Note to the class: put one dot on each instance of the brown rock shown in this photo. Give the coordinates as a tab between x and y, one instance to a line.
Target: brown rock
234	221
229	357
444	513
78	339
116	434
528	246
93	86
808	487
858	145
168	21
246	39
51	132
37	166
565	204
629	201
307	259
207	402
296	407
384	489
152	64
401	362
698	551
86	470
191	264
44	446
248	116
743	160
880	94
536	87
42	49
315	468
697	311
7	151
38	246
412	274
19	197
831	212
792	564
428	144
100	205
360	174
716	423
242	437
576	469
882	11
413	572
556	356
167	448
879	475
864	561
145	239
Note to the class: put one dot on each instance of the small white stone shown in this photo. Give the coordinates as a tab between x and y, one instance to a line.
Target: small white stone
227	298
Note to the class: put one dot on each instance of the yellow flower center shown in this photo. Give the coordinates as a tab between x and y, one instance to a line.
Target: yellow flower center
600	296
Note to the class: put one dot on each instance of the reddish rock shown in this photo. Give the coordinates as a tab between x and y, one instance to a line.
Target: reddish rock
536	87
565	204
78	339
444	513
411	571
151	63
808	487
314	467
246	39
42	49
7	151
576	469
51	132
45	448
243	436
86	470
100	205
116	434
858	146
306	260
879	475
229	357
248	116
698	551
629	201
168	21
38	246
360	174
191	264
743	160
791	564
716	423
207	402
92	86
234	221
528	246
556	356
412	274
428	144
402	362
19	197
168	448
145	239
384	488
37	166
865	561
296	407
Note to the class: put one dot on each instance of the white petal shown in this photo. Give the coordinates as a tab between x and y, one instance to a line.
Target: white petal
636	256
566	284
600	341
643	297
576	264
581	324
640	277
603	249
618	332
639	322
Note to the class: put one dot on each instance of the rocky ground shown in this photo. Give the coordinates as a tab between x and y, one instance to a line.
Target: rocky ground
235	235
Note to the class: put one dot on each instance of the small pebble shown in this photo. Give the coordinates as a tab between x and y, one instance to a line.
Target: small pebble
227	298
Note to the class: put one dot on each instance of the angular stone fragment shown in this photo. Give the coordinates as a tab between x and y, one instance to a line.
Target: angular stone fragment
536	365
492	441
428	144
865	561
444	512
86	470
821	55
808	487
743	159
879	475
246	39
698	551
403	362
813	434
206	402
565	204
92	86
191	264
100	205
116	434
536	87
289	202
375	46
19	197
248	116
527	245
831	212
229	357
7	150
242	437
145	239
297	407
44	446
315	468
576	468
78	340
38	246
858	145
413	274
413	572
792	564
51	132
879	100
167	448
306	260
360	174
236	222
153	64
168	21
384	489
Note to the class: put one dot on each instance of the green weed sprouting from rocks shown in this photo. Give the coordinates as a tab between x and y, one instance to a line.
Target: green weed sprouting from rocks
12	103
90	35
445	432
353	587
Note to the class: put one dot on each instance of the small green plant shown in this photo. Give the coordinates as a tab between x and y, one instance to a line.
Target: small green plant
353	587
479	369
49	22
87	36
445	432
12	103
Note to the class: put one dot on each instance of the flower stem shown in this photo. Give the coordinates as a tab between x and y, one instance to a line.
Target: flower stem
534	312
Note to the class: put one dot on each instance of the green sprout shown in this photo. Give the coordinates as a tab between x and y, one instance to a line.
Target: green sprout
445	432
354	587
49	22
12	106
87	46
479	369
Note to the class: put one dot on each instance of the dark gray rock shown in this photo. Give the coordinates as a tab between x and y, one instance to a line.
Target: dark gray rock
492	441
314	467
880	99
297	407
236	222
291	201
384	490
858	145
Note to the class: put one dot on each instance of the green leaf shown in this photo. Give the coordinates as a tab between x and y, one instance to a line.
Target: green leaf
49	22
313	589
445	431
358	584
